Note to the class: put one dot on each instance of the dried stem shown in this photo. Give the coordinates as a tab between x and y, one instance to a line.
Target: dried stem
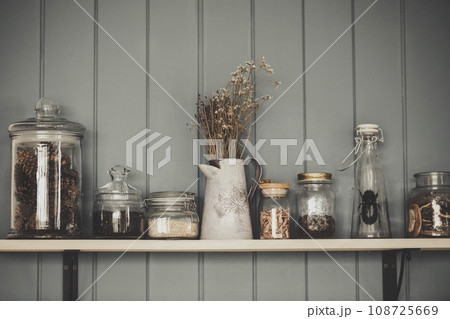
226	115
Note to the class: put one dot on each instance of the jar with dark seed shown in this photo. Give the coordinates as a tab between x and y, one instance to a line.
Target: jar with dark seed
119	210
315	206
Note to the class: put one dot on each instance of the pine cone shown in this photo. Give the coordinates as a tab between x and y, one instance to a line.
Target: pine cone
63	183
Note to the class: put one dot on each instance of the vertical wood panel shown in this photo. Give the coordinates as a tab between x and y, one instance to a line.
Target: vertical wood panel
173	276
173	34
329	118
121	114
379	100
428	276
378	93
69	48
52	276
370	275
228	276
226	45
281	276
279	25
427	78
18	276
123	281
19	92
86	275
326	281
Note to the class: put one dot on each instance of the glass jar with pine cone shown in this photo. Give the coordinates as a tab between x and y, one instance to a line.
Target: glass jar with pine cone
46	175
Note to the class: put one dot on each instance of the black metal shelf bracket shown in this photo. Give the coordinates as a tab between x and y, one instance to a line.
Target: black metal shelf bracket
70	275
392	287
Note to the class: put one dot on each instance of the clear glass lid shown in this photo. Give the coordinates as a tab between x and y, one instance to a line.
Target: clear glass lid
118	189
47	119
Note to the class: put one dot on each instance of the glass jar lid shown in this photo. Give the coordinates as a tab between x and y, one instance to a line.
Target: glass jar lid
432	179
47	119
171	200
271	189
317	177
118	189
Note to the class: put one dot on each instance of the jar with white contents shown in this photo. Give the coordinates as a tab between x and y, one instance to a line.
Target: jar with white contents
172	215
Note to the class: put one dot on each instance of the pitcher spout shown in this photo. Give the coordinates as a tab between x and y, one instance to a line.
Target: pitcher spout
209	170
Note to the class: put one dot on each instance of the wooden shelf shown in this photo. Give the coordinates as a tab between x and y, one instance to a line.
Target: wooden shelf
97	245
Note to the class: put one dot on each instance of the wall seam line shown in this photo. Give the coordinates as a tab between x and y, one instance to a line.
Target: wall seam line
147	125
353	35
95	137
200	88
404	126
42	48
41	94
305	128
253	205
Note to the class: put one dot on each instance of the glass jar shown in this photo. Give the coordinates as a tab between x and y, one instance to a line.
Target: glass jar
429	205
46	175
274	210
172	215
118	210
315	205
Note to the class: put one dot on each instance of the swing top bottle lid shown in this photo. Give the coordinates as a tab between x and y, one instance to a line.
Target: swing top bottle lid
368	129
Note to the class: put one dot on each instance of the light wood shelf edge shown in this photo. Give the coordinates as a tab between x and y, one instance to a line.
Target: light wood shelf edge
94	245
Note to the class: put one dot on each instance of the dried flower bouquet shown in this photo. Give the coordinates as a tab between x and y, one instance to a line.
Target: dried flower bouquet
223	119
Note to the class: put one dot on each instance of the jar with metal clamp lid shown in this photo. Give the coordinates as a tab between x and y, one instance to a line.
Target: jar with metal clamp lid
370	215
172	215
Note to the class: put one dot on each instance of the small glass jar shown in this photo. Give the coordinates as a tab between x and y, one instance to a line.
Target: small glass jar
172	215
429	205
118	210
274	210
315	205
46	175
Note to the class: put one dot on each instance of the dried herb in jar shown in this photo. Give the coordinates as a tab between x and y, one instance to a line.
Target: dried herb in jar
274	224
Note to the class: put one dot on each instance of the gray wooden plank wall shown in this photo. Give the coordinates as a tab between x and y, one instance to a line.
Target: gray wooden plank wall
391	69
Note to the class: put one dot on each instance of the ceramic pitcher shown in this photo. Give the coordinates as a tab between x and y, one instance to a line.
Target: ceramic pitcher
226	212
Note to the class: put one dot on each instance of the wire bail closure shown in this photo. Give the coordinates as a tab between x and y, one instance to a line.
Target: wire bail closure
359	141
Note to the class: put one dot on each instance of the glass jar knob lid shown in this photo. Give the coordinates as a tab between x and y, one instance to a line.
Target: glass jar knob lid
47	119
118	189
46	108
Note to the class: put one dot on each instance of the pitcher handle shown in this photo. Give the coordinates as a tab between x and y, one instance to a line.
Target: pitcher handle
258	175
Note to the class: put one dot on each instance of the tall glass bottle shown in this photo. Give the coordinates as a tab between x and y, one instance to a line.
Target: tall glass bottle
370	215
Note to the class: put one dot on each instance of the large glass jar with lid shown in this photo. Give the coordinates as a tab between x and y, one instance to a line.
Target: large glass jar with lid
46	175
172	215
428	205
119	209
274	210
315	206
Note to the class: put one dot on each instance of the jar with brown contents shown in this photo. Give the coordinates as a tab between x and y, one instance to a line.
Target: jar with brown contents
119	210
274	210
429	205
46	175
315	206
